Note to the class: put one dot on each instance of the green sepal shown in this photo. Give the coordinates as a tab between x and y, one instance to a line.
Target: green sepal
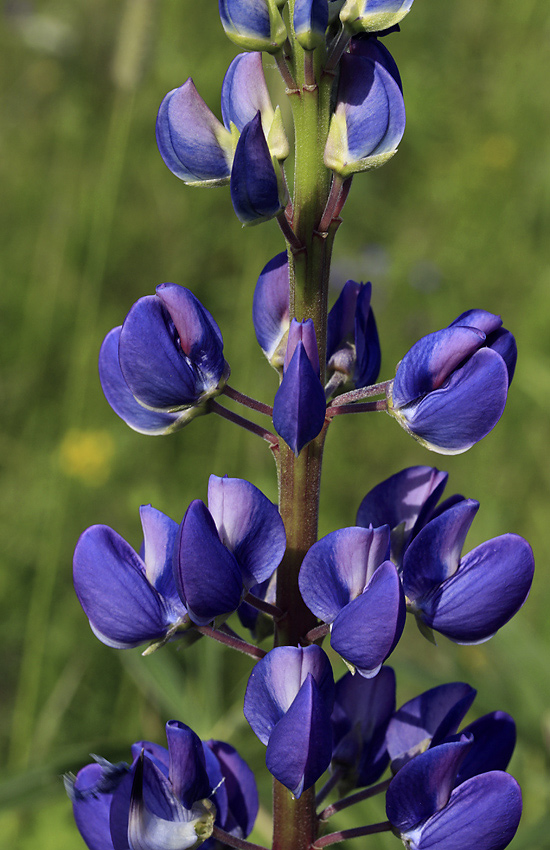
425	631
277	140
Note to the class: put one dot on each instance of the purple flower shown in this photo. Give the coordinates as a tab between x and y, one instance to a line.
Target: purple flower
193	143
253	24
429	808
224	550
299	406
451	387
369	119
353	348
244	93
373	15
165	798
466	599
346	582
166	361
257	190
405	502
271	309
288	702
426	721
362	710
129	599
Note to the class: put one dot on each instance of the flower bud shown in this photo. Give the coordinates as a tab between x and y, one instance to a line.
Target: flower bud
270	310
369	120
253	24
310	22
288	701
353	347
373	15
195	146
244	93
257	189
299	406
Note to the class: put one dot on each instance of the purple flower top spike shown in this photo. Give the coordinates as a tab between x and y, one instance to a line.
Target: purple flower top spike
440	382
167	364
369	120
466	599
362	711
373	15
165	798
428	809
345	581
288	701
225	549
299	407
129	599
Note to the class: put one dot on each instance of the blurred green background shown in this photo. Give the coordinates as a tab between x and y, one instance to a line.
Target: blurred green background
91	219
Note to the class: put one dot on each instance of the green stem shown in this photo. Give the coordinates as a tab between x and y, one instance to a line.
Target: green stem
294	820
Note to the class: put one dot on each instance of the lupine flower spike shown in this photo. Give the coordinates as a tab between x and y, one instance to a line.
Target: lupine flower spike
237	553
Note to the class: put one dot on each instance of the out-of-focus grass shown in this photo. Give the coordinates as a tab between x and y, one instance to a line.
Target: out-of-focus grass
91	219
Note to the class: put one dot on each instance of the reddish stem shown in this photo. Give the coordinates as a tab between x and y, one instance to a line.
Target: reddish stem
244	423
233	841
232	642
344	834
247	401
353	799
